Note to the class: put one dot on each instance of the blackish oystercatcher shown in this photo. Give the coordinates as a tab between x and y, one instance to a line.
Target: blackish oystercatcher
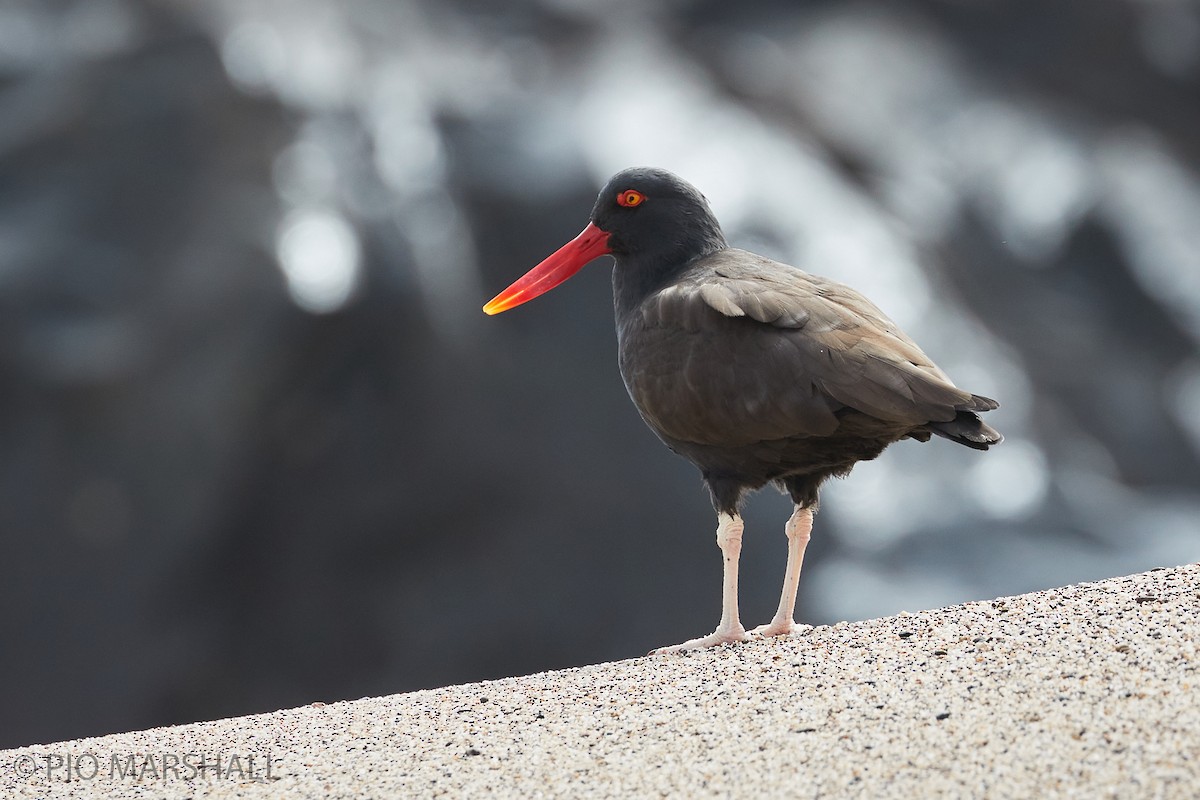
755	371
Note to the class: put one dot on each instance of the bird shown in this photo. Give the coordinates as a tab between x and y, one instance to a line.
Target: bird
755	371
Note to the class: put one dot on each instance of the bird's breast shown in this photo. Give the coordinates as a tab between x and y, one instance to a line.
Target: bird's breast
719	384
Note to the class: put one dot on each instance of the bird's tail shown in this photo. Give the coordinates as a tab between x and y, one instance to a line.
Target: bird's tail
967	428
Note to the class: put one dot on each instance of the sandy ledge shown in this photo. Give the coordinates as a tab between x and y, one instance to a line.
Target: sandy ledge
1090	690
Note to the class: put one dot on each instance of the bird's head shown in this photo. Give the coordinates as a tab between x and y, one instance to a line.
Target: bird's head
651	212
644	215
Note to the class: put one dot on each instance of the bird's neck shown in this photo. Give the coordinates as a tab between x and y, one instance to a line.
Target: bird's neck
636	276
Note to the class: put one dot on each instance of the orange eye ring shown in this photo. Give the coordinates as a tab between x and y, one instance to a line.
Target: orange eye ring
630	198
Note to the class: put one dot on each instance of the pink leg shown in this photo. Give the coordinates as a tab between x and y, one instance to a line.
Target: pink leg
729	539
798	529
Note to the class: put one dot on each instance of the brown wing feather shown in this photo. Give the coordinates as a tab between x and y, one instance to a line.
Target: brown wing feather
745	349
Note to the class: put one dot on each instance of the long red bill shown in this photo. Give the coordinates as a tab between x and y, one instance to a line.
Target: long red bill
562	264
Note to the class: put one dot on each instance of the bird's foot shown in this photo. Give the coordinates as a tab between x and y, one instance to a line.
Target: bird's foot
778	628
720	636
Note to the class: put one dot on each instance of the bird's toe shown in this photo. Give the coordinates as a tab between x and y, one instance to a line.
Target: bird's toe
717	637
787	628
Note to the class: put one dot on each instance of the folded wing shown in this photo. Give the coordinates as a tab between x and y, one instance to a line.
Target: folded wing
744	344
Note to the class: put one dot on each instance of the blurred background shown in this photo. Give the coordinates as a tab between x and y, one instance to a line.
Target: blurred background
259	446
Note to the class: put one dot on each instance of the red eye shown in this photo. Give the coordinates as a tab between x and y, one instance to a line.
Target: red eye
630	198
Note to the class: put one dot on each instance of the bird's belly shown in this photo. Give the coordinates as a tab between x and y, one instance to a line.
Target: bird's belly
758	463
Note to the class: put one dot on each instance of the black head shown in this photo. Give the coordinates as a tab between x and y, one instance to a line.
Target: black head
651	221
651	214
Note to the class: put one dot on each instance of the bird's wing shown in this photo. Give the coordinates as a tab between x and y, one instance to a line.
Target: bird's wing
775	352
